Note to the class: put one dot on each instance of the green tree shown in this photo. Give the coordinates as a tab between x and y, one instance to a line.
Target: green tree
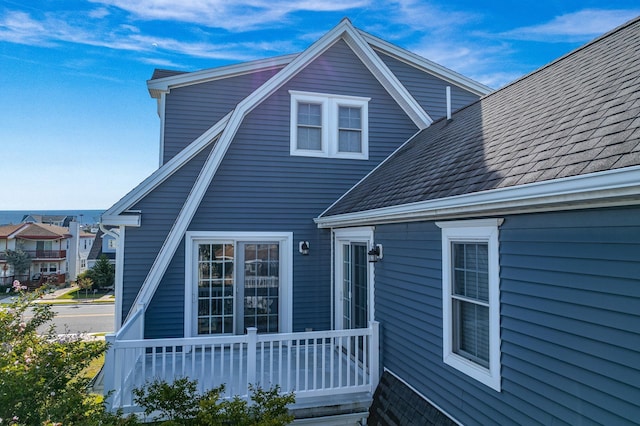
102	274
85	283
19	260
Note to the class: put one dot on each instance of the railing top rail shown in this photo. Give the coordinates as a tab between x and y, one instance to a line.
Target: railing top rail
228	338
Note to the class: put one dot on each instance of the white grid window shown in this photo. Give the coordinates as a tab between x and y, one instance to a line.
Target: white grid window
325	125
471	297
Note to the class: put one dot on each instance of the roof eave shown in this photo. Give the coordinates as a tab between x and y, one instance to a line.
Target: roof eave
610	188
163	85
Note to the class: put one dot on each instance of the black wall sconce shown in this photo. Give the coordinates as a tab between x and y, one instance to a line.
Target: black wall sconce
303	247
375	253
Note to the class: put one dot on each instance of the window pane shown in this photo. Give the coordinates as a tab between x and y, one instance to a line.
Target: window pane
471	328
310	138
471	270
349	141
349	118
309	114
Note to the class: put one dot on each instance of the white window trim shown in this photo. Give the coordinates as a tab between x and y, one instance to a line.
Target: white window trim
193	238
482	230
329	134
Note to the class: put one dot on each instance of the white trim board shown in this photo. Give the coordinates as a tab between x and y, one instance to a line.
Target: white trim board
608	188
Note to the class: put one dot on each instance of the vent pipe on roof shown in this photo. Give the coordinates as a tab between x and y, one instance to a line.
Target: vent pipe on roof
448	102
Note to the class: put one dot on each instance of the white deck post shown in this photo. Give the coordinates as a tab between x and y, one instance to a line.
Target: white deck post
109	368
374	351
252	347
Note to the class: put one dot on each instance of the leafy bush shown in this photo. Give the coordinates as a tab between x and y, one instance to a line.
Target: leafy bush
40	375
179	403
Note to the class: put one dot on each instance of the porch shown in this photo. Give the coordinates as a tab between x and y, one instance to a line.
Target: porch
324	368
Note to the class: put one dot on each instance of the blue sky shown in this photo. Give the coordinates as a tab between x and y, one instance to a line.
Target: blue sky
78	128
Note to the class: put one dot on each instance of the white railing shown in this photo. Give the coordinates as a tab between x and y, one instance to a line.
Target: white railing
311	364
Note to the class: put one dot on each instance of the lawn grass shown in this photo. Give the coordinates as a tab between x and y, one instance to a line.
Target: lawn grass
78	294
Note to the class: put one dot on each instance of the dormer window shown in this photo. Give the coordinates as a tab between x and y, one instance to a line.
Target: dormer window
332	126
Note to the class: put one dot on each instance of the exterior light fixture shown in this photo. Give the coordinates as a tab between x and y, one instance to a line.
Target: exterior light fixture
375	253
303	247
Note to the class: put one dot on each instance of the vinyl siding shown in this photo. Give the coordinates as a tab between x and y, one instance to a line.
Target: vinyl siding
428	90
143	244
261	187
191	110
570	315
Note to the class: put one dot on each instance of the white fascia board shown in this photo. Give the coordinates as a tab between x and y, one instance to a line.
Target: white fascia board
608	188
387	78
164	172
426	65
165	84
121	220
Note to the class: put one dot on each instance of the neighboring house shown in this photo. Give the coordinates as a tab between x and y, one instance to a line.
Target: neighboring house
509	290
103	245
317	219
57	220
79	245
45	244
54	250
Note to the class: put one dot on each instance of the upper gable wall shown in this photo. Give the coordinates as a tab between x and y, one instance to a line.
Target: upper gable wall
192	110
428	90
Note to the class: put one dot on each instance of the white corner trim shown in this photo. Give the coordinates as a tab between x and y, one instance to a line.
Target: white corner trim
594	189
168	169
426	65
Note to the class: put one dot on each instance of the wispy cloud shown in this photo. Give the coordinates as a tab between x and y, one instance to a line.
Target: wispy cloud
578	26
49	30
236	16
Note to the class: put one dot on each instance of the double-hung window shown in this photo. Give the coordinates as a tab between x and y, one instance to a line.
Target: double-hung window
471	297
325	125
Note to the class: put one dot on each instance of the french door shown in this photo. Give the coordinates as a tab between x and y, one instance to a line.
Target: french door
238	284
353	278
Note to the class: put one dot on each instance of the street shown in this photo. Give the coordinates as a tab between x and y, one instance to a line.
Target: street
83	318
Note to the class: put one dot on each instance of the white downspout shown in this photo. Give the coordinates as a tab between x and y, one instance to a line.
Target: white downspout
118	285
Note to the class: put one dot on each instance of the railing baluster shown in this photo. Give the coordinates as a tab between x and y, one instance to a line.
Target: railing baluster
315	363
349	341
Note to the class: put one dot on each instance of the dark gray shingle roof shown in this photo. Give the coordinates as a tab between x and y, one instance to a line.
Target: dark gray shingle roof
577	115
395	404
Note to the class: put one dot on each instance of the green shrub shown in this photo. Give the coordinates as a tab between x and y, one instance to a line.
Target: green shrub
179	403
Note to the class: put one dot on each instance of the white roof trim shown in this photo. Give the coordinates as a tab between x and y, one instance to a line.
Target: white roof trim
426	65
343	30
165	84
609	188
160	175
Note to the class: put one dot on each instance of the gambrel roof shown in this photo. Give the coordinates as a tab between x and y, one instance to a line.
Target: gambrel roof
566	134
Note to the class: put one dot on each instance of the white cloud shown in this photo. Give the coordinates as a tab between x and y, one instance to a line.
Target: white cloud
574	27
241	15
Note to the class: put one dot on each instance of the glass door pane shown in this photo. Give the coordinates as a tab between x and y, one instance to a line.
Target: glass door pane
261	286
215	288
355	284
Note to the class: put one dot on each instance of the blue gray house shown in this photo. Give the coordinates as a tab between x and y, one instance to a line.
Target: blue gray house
322	221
